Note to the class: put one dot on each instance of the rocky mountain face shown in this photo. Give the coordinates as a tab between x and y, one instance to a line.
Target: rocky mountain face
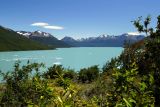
45	38
103	40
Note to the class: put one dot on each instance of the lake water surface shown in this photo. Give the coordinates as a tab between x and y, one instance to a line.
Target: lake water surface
75	58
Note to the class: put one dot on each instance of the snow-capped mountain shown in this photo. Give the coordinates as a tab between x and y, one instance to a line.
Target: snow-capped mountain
35	34
41	34
43	37
24	33
104	40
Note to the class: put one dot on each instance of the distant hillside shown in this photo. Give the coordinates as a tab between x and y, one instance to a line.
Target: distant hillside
45	38
11	41
103	40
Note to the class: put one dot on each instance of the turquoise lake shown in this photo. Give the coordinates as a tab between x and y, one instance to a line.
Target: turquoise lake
74	58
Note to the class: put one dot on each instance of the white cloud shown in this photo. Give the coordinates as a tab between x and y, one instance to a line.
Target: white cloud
54	27
40	24
47	26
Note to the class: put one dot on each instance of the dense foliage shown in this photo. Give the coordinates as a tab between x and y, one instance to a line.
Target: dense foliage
23	88
88	75
130	80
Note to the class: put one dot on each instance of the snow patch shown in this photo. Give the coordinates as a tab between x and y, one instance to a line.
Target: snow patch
134	33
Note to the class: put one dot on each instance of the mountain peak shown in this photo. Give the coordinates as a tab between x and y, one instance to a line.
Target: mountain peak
24	33
39	33
104	40
103	36
133	33
67	38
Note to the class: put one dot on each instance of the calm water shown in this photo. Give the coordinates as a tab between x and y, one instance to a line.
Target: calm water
74	58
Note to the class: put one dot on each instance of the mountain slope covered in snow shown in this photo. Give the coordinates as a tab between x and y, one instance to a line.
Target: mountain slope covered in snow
104	40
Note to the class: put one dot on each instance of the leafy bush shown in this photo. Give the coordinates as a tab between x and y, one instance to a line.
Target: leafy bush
22	88
54	72
89	74
70	74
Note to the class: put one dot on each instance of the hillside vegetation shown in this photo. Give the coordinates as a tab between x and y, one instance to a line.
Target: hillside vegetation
130	80
11	41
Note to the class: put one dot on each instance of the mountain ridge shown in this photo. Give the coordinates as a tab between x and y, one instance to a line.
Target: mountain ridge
45	38
103	40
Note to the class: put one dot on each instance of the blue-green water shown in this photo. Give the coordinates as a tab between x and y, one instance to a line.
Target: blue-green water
74	58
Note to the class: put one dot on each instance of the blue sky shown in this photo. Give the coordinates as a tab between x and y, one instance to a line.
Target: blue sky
76	18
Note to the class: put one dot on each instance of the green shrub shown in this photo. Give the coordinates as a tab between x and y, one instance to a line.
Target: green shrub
89	74
23	88
70	74
54	72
